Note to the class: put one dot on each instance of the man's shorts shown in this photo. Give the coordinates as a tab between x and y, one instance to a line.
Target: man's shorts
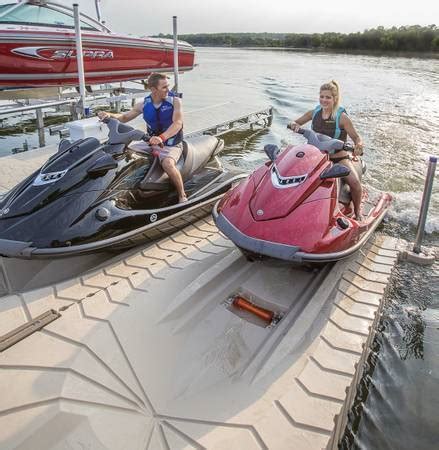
173	152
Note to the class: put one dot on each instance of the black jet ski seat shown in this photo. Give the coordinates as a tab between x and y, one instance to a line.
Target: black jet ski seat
196	153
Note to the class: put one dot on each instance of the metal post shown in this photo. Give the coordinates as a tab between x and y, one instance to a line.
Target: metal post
79	59
73	111
98	10
425	203
174	29
40	127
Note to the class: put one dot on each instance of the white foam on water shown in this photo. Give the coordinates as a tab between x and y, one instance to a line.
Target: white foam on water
405	208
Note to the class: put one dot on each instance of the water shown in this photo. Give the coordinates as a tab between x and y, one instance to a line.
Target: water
394	104
396	405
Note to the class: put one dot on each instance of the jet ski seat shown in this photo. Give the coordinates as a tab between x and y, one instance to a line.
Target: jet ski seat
196	153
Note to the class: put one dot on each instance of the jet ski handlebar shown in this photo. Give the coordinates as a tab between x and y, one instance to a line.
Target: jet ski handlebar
323	142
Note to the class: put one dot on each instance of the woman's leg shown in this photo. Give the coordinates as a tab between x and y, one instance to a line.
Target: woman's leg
355	185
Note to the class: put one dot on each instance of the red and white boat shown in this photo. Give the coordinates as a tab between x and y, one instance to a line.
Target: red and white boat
37	48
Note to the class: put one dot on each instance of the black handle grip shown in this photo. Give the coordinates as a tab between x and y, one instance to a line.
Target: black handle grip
300	130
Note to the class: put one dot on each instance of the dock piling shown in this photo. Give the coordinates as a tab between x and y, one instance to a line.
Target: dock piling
40	127
416	255
426	196
79	60
174	29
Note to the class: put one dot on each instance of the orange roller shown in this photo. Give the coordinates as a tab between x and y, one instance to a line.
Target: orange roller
245	305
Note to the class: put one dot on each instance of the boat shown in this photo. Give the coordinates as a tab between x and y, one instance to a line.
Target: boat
296	207
91	197
37	49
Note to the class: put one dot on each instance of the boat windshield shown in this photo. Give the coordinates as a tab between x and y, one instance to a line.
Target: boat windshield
27	14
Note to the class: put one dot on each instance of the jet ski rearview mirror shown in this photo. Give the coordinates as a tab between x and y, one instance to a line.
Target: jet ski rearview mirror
272	151
336	171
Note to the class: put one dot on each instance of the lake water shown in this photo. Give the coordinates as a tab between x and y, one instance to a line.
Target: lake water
394	104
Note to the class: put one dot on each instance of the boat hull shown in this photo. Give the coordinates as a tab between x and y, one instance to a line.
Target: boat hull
33	58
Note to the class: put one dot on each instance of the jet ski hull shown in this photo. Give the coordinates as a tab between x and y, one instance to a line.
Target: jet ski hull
258	248
90	197
290	209
159	223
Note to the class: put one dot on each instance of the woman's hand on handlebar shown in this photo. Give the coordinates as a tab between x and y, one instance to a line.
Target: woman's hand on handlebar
293	126
358	149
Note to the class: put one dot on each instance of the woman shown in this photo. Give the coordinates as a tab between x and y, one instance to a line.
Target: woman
330	118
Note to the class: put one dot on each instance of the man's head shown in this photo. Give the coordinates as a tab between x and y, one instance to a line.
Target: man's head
159	85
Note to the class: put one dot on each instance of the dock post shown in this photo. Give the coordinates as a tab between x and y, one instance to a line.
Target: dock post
40	127
174	30
426	196
416	255
79	60
73	111
98	11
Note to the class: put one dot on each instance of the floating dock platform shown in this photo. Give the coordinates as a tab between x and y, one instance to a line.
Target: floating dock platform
147	351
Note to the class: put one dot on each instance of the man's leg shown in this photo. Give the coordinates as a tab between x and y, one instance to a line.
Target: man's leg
174	175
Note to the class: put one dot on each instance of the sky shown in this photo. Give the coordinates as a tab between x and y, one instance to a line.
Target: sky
147	17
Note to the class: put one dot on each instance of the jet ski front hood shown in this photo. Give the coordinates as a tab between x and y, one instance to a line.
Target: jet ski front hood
64	174
289	182
57	204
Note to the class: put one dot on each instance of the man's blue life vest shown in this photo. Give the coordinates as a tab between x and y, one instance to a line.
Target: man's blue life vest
158	120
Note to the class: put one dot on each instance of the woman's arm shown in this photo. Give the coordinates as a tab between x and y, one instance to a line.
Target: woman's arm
302	120
347	124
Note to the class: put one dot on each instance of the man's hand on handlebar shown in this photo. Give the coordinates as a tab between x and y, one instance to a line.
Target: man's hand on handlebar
156	140
104	115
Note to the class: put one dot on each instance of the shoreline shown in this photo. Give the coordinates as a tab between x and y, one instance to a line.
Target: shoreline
401	54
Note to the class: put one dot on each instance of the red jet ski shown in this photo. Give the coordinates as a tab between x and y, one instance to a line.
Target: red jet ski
297	208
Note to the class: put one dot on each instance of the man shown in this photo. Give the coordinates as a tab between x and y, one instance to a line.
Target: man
163	114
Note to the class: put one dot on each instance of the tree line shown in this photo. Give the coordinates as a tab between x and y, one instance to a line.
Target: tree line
414	38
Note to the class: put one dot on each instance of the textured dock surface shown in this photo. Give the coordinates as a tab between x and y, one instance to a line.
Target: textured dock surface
147	353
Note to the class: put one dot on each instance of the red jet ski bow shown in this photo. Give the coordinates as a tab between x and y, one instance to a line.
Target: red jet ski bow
296	207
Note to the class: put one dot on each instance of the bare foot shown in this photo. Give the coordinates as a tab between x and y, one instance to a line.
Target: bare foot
359	217
182	199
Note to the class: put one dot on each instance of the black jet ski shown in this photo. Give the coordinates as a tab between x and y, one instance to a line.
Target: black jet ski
92	197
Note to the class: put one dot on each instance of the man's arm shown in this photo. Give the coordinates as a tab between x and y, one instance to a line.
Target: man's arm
123	117
174	128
